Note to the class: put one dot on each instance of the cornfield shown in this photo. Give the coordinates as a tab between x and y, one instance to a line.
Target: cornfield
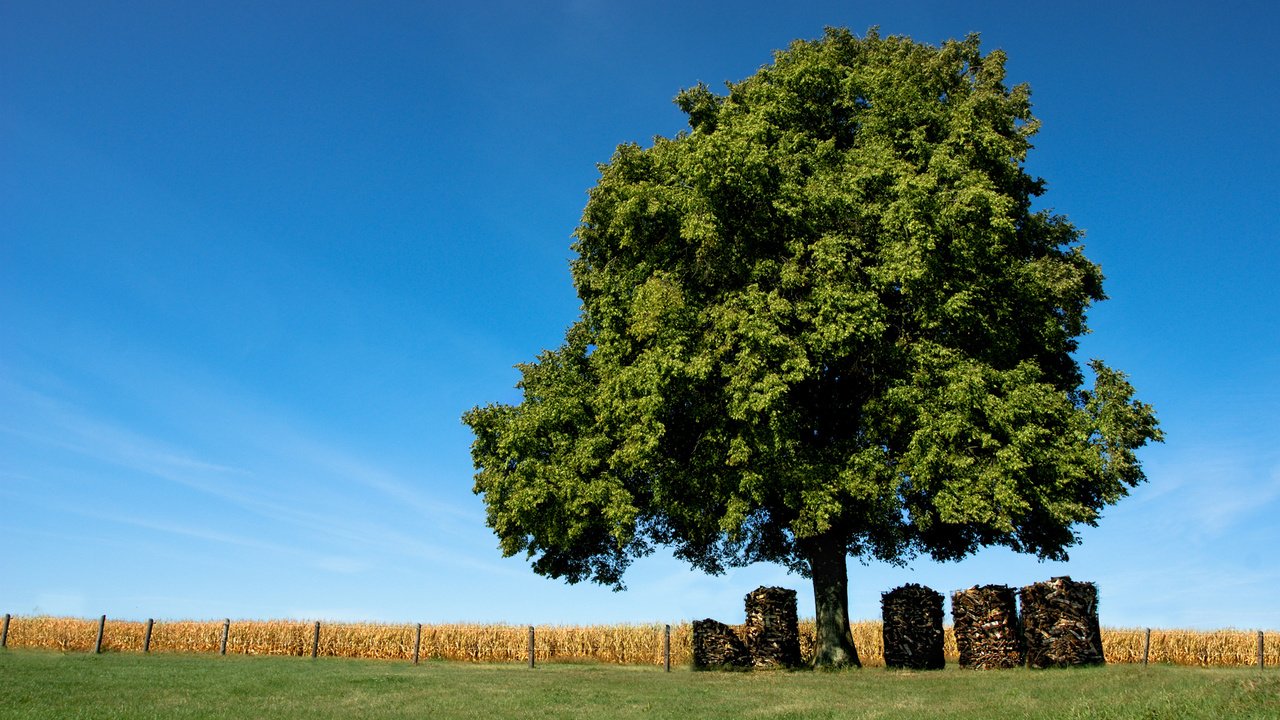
638	644
1225	648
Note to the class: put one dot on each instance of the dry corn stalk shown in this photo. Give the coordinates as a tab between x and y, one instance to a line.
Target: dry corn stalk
635	644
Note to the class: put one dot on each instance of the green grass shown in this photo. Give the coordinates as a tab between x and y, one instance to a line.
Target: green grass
38	684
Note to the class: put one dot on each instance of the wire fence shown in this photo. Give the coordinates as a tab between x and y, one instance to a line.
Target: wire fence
630	644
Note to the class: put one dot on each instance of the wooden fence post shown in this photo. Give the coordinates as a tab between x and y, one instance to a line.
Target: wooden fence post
1262	658
315	641
1146	648
531	647
102	626
666	648
417	643
4	634
146	638
226	632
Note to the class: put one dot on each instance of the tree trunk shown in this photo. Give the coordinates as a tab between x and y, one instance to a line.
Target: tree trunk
831	596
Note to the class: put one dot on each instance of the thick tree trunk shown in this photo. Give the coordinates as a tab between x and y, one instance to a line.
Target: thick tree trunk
831	596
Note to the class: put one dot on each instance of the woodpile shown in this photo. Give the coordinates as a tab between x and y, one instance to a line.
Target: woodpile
716	645
772	629
912	628
1060	623
986	627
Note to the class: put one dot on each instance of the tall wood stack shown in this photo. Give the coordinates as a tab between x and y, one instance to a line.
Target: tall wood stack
716	645
912	628
1060	623
772	630
986	627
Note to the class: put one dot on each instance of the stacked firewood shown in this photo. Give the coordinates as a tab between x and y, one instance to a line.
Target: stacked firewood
716	645
912	628
986	627
1060	623
772	630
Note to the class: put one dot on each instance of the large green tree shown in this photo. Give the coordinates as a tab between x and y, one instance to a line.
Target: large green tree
824	322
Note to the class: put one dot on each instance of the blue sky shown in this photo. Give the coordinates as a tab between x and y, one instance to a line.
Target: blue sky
256	259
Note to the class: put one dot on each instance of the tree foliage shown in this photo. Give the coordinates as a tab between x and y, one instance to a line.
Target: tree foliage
825	316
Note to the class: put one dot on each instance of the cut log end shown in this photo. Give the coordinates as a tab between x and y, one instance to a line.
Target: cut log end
912	628
772	632
986	627
1060	624
717	646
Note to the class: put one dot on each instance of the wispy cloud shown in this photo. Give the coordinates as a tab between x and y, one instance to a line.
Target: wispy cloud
266	468
63	426
201	533
344	467
1191	592
1210	490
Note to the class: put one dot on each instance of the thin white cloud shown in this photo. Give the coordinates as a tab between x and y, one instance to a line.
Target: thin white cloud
334	463
270	451
278	484
1191	593
60	425
288	460
200	533
1211	490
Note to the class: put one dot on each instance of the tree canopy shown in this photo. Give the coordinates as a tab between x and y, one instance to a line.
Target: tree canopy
825	321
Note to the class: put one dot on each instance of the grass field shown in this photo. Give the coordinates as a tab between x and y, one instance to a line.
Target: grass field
43	684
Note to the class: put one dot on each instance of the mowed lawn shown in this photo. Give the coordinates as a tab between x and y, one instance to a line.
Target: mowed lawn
40	684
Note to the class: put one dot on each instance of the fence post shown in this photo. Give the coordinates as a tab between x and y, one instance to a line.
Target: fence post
146	639
1146	648
531	647
102	626
226	632
1262	658
417	643
315	641
4	634
666	648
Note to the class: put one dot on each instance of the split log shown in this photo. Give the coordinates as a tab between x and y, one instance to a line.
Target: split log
772	630
912	628
1060	624
986	627
716	645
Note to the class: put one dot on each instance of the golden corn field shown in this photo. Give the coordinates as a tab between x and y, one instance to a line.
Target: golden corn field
623	644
